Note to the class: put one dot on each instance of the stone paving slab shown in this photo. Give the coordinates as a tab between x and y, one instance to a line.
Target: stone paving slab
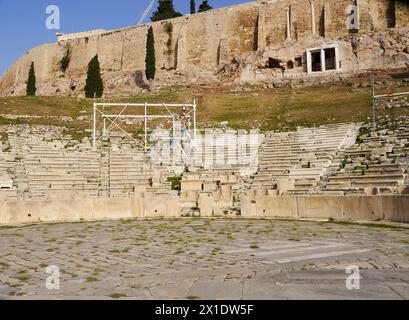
204	259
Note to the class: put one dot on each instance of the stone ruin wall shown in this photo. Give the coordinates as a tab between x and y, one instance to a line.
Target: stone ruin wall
192	44
389	208
70	36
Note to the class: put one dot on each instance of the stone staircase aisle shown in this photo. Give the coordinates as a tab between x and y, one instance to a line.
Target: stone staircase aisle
20	172
104	172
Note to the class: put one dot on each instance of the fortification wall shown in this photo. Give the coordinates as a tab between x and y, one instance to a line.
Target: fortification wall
195	43
326	18
71	36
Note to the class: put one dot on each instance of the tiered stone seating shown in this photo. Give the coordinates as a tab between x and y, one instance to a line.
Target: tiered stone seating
43	162
228	157
7	169
57	171
305	155
48	164
378	160
225	149
127	169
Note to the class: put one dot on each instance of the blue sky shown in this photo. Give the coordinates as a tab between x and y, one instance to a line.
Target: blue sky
22	22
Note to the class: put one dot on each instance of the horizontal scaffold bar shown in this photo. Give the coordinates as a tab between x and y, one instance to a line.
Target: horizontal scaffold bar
143	105
136	116
391	95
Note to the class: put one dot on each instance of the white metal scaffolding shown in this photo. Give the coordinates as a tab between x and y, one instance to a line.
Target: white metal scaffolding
99	109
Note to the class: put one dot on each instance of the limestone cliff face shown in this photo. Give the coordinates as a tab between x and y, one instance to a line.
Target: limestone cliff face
193	49
382	50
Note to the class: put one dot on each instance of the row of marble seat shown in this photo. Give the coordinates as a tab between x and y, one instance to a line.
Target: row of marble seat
378	160
304	155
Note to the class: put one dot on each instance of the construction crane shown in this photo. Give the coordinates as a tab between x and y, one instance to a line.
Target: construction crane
146	12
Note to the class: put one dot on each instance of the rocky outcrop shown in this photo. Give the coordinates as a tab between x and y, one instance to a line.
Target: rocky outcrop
260	41
358	53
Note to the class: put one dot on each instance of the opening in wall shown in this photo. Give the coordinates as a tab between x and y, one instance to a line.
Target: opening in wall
391	14
330	61
316	63
298	62
290	64
273	63
323	59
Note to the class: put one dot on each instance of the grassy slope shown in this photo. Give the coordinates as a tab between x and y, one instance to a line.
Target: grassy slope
268	108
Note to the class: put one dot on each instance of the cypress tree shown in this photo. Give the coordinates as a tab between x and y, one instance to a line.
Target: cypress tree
31	82
165	10
150	68
94	82
204	6
65	61
192	7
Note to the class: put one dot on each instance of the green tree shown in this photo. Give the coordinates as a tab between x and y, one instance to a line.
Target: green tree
165	10
150	68
65	61
31	81
192	7
205	6
94	84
